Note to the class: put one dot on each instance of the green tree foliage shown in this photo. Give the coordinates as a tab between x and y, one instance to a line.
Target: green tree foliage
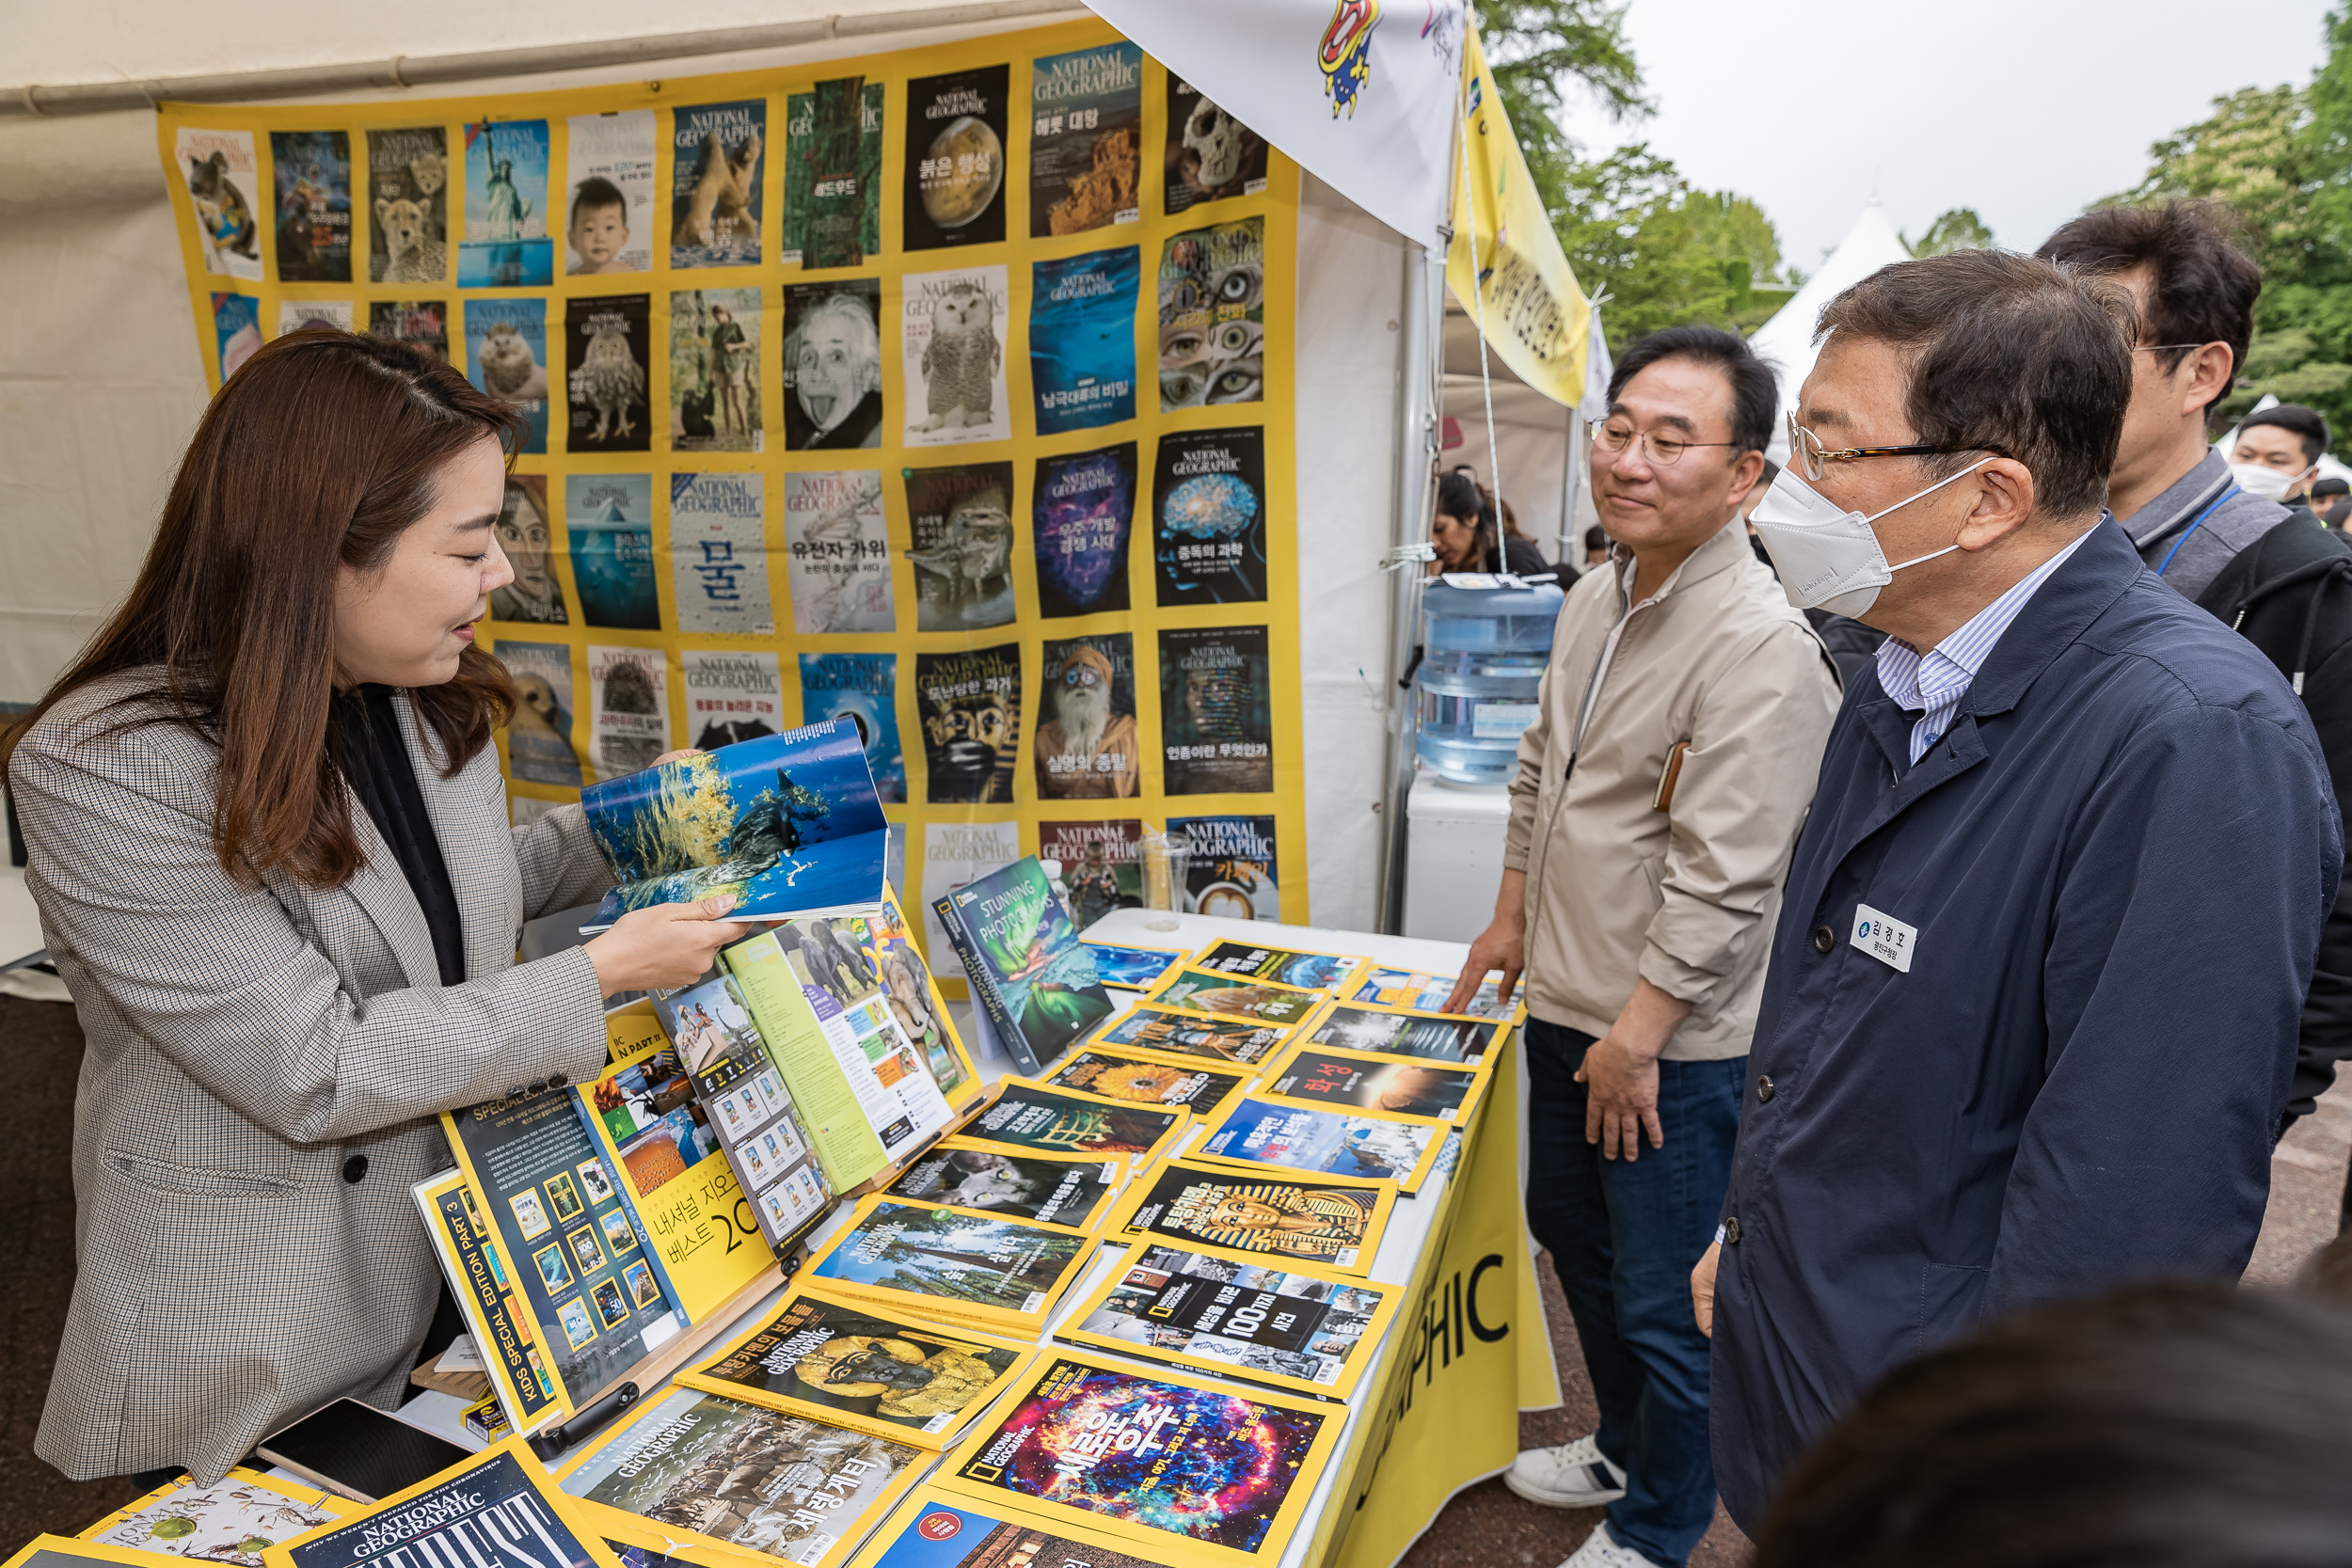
1958	230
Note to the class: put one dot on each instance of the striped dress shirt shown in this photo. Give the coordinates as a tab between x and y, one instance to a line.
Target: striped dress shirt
1932	685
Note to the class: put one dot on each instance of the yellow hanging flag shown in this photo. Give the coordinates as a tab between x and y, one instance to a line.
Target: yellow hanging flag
1506	266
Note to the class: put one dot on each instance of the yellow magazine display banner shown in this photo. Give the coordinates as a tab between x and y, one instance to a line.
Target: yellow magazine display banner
948	390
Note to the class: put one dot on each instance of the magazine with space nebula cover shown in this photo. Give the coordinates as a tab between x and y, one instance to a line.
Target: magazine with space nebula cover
789	824
1293	1327
1116	1075
1162	1460
1185	1033
939	1530
1330	1141
1334	1222
1383	1086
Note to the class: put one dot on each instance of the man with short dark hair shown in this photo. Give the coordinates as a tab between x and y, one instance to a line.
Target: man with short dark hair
2195	292
2331	501
2033	996
2277	451
1678	733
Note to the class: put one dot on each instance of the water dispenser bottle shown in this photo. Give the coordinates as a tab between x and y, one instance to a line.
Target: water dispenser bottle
1483	652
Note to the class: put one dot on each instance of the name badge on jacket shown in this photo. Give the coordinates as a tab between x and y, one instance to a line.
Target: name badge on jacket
1884	937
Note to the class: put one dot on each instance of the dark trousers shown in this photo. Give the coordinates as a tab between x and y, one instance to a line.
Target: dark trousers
1624	1236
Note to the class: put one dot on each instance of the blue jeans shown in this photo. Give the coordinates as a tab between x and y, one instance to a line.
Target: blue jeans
1624	1236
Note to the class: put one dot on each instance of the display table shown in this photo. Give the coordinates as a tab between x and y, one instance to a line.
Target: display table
1437	1408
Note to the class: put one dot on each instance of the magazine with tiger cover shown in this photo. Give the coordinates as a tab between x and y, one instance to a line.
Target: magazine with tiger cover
1383	1086
234	1520
1020	1116
1192	1470
1147	1082
1324	972
1155	1031
728	1483
990	1270
1304	1330
1233	996
1258	1213
839	1360
1383	987
499	1508
1125	968
1429	1036
1059	1189
489	1295
939	1529
1336	1143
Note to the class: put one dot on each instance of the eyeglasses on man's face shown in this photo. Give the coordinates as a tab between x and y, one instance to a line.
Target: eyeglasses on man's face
1810	457
1616	433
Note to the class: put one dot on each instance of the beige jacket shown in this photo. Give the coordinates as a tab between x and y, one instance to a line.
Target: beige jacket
1685	898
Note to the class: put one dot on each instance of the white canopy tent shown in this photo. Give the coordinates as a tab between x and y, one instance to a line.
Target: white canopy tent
1786	341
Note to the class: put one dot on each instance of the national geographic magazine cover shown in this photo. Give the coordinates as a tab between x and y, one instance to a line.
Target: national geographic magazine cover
701	1465
851	1364
1382	986
788	823
1132	968
1314	970
1158	1032
1382	1086
1232	996
938	1530
1117	1076
995	1271
234	1520
1332	1223
1293	1328
1431	1037
1019	1116
500	1508
832	173
765	1136
1072	1190
1331	1142
1189	1470
491	1296
1086	141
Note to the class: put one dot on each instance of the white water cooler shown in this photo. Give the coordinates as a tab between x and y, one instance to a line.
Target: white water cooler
1453	856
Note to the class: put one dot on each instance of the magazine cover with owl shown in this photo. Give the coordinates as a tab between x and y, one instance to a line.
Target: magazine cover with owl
952	331
789	824
860	1368
607	348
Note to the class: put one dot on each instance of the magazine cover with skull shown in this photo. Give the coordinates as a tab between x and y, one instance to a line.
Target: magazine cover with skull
1021	1116
1268	1002
234	1520
938	1530
1075	1190
789	824
851	1364
997	1273
1303	1330
1259	1215
1191	1471
731	1484
1183	1036
1266	1131
1146	1080
1379	1085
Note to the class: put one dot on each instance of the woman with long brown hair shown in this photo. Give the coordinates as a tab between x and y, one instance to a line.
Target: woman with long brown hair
269	844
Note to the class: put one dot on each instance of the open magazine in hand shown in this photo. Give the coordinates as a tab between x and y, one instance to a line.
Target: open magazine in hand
790	824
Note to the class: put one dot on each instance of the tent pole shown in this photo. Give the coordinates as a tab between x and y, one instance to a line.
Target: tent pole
1416	472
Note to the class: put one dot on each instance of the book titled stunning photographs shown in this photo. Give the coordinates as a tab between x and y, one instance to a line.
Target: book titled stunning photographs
1336	1143
1023	957
852	1365
1116	1076
789	824
234	1520
1290	1328
1333	1222
1151	1456
1232	996
698	1464
1434	1038
497	1510
1020	1116
1057	1189
1382	1086
1186	1033
990	1270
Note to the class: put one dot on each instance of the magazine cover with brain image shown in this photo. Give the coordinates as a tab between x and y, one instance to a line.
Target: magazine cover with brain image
1258	1213
1191	1471
1300	1329
1330	1141
858	1366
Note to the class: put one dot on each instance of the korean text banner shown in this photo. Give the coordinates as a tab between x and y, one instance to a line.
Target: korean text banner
948	391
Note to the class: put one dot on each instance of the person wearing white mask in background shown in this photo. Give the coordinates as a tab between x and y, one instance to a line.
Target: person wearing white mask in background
2032	999
2277	452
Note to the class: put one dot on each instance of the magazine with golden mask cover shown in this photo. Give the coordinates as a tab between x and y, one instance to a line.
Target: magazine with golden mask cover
1258	1214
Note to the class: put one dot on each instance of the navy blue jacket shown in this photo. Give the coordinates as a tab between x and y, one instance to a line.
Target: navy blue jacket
2117	860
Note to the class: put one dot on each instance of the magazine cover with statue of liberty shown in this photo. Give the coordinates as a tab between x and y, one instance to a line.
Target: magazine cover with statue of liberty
788	823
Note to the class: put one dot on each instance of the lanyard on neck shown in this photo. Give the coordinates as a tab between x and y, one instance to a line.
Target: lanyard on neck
2195	526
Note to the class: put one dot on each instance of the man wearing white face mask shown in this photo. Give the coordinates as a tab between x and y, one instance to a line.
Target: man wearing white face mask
2277	451
2034	990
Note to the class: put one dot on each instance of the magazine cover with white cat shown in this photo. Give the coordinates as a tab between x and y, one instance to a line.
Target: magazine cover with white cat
789	824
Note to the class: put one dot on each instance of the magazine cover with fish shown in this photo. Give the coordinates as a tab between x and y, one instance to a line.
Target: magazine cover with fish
1020	1116
1158	1032
1158	1459
1284	966
788	823
990	1270
1335	1143
234	1520
1431	1037
842	1362
1297	1329
1333	1222
1072	1189
1117	1076
1383	1086
939	1529
1232	996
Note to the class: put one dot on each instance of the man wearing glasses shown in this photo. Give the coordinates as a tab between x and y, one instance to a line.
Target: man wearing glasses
1678	731
2033	995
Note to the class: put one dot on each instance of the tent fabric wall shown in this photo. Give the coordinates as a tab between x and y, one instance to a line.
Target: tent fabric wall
102	379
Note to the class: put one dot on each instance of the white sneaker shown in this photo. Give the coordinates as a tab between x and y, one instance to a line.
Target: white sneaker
1601	1551
1574	1475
